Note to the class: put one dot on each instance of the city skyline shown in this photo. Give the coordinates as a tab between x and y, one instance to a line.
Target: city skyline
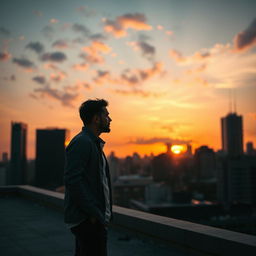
167	75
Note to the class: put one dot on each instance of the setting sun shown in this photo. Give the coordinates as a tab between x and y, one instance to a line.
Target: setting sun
177	149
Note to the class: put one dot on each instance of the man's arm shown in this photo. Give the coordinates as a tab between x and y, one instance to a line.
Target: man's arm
77	157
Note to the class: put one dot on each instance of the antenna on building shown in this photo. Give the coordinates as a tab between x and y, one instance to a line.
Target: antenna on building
234	95
230	100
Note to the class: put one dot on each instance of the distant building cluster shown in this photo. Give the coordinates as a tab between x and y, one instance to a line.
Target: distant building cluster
46	171
160	183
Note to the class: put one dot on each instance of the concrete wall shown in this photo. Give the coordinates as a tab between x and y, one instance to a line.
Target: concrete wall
190	236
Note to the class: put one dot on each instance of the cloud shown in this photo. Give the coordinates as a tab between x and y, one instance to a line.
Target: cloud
37	47
81	29
197	56
64	96
4	31
58	76
172	126
177	56
137	76
39	79
24	63
93	53
147	49
81	67
54	57
82	84
149	141
118	27
97	37
61	44
102	77
4	56
247	38
51	66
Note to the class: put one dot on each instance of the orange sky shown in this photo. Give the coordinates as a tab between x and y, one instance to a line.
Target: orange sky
167	76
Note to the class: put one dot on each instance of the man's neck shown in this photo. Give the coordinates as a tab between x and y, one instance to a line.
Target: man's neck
94	130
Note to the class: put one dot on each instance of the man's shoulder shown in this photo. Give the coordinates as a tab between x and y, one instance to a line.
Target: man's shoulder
80	139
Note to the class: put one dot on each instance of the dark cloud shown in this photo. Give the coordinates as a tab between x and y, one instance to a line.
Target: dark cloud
101	73
119	26
92	59
98	37
4	31
143	141
147	49
54	57
137	76
130	78
24	63
39	79
246	38
64	96
60	44
81	29
102	77
36	47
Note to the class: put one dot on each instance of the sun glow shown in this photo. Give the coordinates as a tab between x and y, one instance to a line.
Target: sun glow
177	149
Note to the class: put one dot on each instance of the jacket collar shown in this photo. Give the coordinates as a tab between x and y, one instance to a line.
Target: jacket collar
92	136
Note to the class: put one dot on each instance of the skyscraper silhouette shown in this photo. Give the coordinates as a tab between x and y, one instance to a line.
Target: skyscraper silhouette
232	134
50	157
18	162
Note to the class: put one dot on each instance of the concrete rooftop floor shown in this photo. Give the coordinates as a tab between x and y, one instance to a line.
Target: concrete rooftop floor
28	228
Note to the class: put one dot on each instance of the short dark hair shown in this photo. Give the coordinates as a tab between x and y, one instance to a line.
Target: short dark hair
90	108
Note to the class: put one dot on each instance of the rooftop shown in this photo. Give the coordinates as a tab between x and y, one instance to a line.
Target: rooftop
31	223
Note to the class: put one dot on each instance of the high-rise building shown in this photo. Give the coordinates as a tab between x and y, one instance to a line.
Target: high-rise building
237	180
5	157
205	163
250	151
232	134
18	161
50	157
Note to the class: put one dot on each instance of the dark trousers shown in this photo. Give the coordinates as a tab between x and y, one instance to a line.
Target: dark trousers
91	239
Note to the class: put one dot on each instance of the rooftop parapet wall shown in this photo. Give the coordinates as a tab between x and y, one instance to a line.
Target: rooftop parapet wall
190	236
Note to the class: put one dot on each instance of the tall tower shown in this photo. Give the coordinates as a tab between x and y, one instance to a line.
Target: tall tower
232	134
18	161
50	157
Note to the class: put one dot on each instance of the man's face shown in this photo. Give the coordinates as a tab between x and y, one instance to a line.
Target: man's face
105	120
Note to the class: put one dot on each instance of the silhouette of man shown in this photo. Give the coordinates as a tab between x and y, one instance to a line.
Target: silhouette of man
88	201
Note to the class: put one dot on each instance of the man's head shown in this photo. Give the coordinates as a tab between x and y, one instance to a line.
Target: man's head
94	113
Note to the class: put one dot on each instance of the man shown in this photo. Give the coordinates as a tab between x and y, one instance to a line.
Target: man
88	201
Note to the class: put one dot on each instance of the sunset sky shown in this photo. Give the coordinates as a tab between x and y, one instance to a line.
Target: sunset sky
167	68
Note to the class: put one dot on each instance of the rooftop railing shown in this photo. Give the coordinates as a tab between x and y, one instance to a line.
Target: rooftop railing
183	234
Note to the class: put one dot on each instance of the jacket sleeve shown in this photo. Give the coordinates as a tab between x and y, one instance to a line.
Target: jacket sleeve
77	158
